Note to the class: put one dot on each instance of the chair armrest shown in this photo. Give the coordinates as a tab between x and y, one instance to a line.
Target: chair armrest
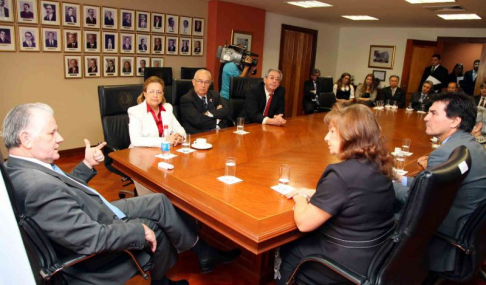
454	242
333	265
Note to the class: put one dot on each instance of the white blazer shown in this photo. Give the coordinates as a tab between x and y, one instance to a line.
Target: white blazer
143	129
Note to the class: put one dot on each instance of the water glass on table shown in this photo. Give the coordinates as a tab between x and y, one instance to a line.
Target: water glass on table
186	144
230	167
240	124
284	174
406	145
399	162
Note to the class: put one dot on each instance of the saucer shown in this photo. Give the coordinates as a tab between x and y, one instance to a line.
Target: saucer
207	146
421	112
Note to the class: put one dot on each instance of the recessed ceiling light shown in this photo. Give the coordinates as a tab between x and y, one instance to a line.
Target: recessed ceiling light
360	18
429	1
309	4
459	16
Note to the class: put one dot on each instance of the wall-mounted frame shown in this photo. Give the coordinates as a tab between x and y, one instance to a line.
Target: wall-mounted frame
71	15
158	23
92	41
157	62
172	24
127	43
27	12
198	27
381	57
50	13
241	38
110	18
158	44
198	47
185	46
52	40
142	63
185	26
110	66
110	42
127	66
7	38
143	44
72	66
172	45
91	16
29	39
8	11
380	74
127	20
92	65
72	40
143	21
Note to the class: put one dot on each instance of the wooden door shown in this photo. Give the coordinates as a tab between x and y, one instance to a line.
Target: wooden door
297	58
417	58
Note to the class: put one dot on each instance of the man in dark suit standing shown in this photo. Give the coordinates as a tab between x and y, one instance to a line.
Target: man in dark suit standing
310	101
395	93
26	14
438	72
51	41
3	10
203	110
423	98
470	79
481	99
70	17
451	118
79	220
91	18
265	103
50	13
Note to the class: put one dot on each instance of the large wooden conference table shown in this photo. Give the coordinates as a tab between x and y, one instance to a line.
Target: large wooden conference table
250	214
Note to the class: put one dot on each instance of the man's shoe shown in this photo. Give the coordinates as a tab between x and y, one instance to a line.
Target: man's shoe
208	264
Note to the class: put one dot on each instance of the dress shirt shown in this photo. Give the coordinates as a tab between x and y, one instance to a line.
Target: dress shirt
267	96
157	118
394	90
2	12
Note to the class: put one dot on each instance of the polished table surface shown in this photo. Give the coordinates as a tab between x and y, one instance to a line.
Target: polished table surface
250	213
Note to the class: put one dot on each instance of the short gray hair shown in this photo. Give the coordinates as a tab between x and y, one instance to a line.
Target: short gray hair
19	119
430	83
201	71
315	71
277	70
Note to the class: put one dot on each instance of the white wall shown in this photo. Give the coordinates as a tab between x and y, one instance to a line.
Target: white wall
327	42
354	46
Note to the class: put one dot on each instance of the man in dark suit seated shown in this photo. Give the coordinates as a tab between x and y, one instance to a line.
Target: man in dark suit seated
78	219
395	93
423	98
470	76
451	118
201	109
481	99
310	101
438	72
265	103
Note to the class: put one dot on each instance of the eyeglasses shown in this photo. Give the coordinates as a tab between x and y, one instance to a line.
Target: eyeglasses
200	82
152	92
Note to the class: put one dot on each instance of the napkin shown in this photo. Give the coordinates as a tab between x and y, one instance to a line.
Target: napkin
166	156
229	179
241	133
187	151
283	189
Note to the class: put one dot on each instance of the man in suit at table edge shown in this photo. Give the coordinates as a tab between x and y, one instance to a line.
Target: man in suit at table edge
79	220
451	118
265	103
310	101
395	93
438	72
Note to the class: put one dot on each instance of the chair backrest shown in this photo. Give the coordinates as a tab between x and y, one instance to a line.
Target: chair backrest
326	84
326	100
238	88
188	72
162	72
403	258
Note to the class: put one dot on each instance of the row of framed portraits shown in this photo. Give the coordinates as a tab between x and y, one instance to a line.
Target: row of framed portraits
95	66
54	13
54	40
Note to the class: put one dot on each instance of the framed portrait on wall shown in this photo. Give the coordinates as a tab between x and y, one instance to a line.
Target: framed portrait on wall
27	12
158	23
142	63
29	39
381	57
72	66
127	43
185	26
143	44
110	42
92	66
172	45
110	18
158	44
71	15
7	38
72	40
143	21
172	24
198	47
185	46
198	27
52	40
92	41
380	74
240	38
127	19
110	66
157	62
50	13
91	16
6	6
127	66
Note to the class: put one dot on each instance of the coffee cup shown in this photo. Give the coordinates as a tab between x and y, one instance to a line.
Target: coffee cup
200	142
398	150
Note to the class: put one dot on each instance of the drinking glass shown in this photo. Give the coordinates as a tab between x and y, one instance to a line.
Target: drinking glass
422	108
399	162
186	145
410	106
406	145
230	167
284	177
240	124
387	103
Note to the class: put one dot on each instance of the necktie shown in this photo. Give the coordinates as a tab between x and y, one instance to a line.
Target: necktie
433	69
422	97
265	114
52	43
113	208
481	103
204	102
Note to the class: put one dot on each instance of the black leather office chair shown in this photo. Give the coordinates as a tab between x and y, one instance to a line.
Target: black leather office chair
188	72
238	88
326	84
326	101
402	259
114	102
165	73
46	264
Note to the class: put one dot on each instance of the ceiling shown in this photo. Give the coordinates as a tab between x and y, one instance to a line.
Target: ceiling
391	13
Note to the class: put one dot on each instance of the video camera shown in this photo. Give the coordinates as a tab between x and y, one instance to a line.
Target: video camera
235	54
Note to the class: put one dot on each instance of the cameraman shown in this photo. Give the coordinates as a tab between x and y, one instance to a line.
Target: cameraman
231	69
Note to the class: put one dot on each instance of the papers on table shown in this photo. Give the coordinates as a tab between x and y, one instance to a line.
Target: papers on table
186	150
229	179
283	189
400	172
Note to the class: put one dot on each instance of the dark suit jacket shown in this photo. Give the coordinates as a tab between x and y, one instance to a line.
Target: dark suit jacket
125	47
71	70
158	47
6	41
416	101
141	69
48	43
440	73
197	50
256	100
171	48
109	21
89	46
468	83
92	70
90	21
110	69
308	86
126	23
185	49
192	112
72	45
26	15
52	19
5	11
24	44
477	99
68	19
400	96
142	47
158	25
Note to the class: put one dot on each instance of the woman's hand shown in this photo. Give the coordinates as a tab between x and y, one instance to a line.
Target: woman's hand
305	191
175	139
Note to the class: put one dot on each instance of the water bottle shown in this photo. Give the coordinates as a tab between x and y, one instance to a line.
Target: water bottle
165	147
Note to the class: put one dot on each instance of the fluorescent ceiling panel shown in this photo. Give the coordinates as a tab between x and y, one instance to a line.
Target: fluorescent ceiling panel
360	18
429	1
459	16
309	4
